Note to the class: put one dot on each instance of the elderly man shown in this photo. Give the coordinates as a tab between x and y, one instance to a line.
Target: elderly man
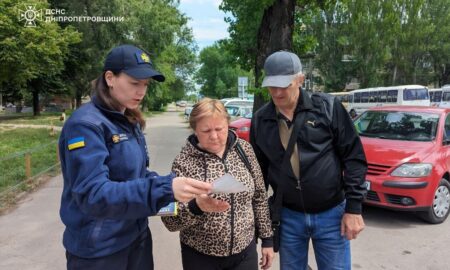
313	159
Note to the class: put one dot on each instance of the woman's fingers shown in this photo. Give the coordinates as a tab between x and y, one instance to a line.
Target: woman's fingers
198	187
185	189
208	204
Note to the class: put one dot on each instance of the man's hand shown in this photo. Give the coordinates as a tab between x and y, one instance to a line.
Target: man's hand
185	189
266	258
351	225
208	204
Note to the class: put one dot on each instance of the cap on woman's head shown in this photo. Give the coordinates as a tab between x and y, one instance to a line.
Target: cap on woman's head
132	61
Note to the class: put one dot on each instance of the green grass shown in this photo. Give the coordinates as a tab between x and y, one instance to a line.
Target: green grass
14	143
29	119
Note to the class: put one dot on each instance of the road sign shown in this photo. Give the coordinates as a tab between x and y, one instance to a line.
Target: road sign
242	87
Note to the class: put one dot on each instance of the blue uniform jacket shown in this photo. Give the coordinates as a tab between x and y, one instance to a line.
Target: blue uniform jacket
108	191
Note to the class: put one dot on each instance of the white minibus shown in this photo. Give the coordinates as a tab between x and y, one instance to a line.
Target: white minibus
435	96
342	96
445	100
413	95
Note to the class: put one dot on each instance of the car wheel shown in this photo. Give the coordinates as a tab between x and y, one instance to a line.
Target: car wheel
439	210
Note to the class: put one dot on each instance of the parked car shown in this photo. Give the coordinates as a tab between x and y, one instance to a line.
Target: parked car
52	107
408	155
242	126
181	103
187	112
236	102
237	112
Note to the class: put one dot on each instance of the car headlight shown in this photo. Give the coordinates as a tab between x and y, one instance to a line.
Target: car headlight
413	170
243	129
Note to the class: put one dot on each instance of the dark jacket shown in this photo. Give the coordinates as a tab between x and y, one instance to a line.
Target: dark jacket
332	161
230	232
108	192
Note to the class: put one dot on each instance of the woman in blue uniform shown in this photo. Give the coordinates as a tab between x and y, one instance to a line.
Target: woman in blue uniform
108	190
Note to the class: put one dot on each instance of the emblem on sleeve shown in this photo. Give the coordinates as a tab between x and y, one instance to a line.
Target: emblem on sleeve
76	143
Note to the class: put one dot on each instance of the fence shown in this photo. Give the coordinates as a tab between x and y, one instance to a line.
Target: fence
21	171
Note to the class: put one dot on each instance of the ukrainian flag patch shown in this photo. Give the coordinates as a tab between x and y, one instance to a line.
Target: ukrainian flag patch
76	143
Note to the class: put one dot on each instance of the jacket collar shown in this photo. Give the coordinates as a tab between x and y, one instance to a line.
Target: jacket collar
304	103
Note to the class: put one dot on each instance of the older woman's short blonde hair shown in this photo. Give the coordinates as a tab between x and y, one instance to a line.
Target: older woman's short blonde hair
205	108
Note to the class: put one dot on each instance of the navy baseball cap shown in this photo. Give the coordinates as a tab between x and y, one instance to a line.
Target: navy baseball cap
281	68
132	61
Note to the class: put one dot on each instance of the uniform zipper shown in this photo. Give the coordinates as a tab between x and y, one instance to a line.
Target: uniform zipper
137	134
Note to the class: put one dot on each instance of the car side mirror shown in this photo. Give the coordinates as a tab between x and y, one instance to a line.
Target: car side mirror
446	140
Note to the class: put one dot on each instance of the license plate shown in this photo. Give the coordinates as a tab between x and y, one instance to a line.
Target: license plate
367	185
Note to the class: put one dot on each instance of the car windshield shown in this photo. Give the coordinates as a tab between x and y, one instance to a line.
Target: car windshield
407	126
232	111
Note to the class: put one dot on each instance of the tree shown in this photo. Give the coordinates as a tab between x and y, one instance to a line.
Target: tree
269	24
85	58
162	29
31	57
218	73
437	39
156	26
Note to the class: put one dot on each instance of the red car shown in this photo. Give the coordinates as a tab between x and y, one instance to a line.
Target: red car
408	153
242	127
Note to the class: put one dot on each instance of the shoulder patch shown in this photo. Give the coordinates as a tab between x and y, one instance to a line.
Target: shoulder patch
117	138
76	143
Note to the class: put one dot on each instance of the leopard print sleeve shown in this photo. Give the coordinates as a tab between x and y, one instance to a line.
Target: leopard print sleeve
260	204
185	218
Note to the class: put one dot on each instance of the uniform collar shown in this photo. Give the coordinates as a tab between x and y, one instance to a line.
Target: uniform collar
110	113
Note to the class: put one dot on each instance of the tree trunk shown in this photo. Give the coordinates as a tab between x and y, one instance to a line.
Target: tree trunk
394	75
445	76
36	107
77	100
274	34
34	86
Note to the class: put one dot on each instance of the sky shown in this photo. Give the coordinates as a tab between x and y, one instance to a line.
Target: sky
207	21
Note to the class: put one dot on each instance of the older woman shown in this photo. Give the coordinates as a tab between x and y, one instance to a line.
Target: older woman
227	239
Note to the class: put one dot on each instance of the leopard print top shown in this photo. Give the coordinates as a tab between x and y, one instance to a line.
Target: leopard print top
229	232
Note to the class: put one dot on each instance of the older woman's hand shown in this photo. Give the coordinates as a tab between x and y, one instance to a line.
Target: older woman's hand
185	189
208	204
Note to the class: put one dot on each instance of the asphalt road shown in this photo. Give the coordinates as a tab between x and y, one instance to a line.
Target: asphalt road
30	235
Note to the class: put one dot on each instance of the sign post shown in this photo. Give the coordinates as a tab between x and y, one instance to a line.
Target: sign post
242	87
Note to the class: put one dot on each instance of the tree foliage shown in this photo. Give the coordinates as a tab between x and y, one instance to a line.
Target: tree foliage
219	72
161	28
383	42
31	58
68	55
